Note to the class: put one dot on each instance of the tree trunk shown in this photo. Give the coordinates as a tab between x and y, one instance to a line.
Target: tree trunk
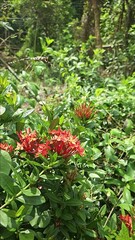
90	22
87	21
96	10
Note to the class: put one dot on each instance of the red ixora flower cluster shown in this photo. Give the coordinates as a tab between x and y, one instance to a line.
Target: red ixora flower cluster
6	147
83	111
65	144
61	141
30	143
127	219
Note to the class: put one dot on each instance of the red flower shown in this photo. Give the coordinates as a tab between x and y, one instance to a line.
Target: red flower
43	149
6	147
127	220
84	112
65	144
29	141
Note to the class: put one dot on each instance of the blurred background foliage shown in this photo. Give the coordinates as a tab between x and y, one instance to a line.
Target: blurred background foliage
111	25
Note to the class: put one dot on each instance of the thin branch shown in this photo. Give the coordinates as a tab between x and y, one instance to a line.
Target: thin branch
10	69
112	209
4	40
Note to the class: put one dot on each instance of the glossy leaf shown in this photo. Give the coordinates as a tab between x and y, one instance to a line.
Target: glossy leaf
6	182
5	162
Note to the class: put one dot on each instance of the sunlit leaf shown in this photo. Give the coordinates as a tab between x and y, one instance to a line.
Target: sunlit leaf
2	110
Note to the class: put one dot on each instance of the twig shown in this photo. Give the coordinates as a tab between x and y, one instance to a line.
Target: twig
10	69
112	209
4	40
18	194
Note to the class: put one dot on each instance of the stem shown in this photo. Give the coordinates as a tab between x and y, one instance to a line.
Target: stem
19	193
10	69
112	209
112	117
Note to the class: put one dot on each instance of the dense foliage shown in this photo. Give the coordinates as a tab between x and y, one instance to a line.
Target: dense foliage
67	122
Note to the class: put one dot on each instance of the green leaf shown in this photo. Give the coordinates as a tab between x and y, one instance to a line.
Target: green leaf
24	210
65	232
10	213
20	210
106	137
100	172
109	153
130	173
35	200
19	127
91	233
71	226
51	177
53	197
49	41
44	219
33	88
32	192
7	218
2	110
58	212
34	221
127	196
6	183
27	113
18	113
94	175
26	235
111	196
7	115
123	234
3	219
132	186
115	132
82	215
40	220
8	235
132	156
128	126
19	178
61	120
96	153
48	113
113	181
112	223
54	123
6	25
79	221
51	231
99	91
43	44
103	209
125	206
67	216
5	162
74	202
